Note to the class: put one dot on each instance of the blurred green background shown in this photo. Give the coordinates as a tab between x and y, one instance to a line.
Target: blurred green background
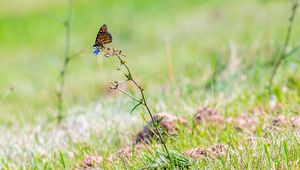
170	44
188	54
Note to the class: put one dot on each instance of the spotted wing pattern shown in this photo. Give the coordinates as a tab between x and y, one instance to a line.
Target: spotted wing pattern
103	37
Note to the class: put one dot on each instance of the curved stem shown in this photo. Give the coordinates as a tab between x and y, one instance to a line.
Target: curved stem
283	55
144	102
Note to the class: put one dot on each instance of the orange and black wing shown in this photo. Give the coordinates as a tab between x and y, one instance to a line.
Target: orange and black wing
103	37
103	29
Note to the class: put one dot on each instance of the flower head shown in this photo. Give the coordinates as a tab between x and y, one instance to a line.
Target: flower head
96	51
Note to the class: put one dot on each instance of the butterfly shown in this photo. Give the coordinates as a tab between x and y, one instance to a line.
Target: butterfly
103	37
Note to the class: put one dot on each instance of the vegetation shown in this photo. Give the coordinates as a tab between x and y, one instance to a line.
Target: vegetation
207	62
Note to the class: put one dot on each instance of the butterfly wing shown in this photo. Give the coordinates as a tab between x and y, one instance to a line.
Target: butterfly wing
103	37
103	29
106	38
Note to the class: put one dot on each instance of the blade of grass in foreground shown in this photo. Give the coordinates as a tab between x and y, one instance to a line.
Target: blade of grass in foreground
62	159
286	151
268	154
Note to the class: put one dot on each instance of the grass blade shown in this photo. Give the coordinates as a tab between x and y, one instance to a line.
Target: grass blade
268	154
286	151
62	159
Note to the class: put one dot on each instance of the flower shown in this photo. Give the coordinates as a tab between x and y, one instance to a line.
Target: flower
96	50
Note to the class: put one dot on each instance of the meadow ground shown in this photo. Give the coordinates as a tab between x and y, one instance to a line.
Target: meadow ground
209	57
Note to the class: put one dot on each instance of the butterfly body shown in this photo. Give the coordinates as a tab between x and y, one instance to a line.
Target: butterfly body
103	37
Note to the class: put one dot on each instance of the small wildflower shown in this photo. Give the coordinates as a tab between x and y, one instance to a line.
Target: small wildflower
130	150
296	122
244	123
213	152
91	161
280	121
110	52
96	51
206	115
284	89
253	140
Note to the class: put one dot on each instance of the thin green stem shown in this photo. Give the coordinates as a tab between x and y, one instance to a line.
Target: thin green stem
127	94
144	102
283	55
67	59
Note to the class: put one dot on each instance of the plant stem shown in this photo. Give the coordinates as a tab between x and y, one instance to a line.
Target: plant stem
144	102
283	55
66	63
127	94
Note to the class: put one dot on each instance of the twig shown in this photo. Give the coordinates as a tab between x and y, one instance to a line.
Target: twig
283	55
67	60
115	86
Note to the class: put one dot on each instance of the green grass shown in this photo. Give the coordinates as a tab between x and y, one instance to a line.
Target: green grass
220	58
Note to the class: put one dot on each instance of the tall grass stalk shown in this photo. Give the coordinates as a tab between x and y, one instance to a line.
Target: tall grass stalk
67	59
283	53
